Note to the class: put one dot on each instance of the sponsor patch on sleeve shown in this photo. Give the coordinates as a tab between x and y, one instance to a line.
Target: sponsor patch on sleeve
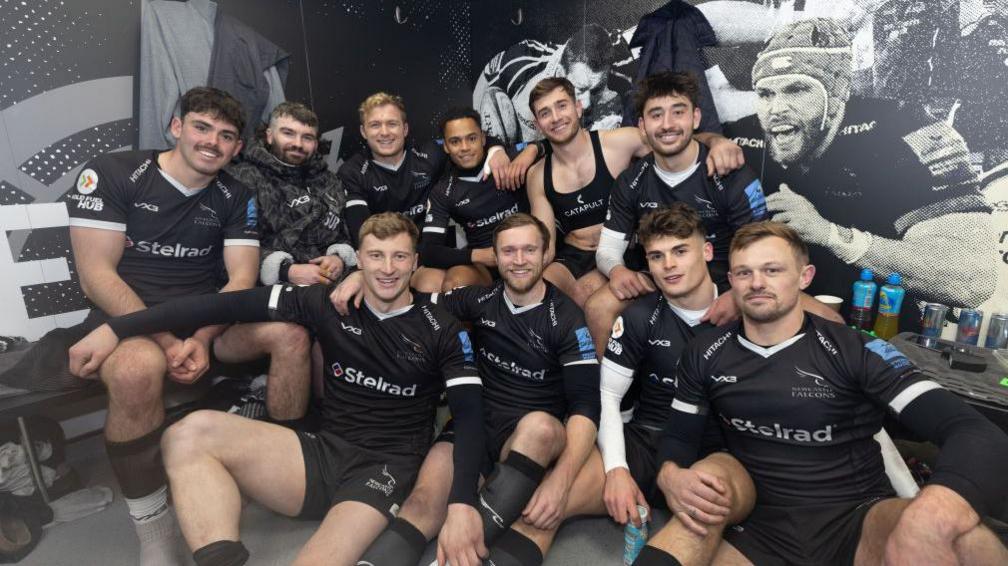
251	214
617	327
585	343
467	349
757	200
889	353
87	182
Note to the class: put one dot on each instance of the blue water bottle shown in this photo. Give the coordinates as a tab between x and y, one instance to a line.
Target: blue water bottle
634	537
864	300
889	303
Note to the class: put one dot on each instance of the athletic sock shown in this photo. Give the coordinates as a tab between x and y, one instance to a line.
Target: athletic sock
506	492
221	553
161	541
401	544
514	549
651	556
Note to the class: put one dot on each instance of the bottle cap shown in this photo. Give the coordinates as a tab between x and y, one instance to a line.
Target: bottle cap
894	279
867	275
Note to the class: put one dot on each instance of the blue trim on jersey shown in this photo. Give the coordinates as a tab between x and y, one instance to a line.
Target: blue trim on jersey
467	349
757	200
585	343
889	353
251	214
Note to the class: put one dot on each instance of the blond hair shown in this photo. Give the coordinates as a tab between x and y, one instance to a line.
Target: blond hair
751	233
385	225
381	99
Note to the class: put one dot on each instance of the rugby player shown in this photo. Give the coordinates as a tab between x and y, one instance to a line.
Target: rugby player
472	201
386	365
569	189
798	399
643	350
541	393
147	227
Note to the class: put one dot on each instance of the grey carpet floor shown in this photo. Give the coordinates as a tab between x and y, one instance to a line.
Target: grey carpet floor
106	538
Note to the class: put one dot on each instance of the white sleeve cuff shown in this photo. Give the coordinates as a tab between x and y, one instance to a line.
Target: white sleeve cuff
345	252
269	271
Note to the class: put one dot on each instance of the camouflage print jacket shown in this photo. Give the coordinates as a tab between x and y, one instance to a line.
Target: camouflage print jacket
300	209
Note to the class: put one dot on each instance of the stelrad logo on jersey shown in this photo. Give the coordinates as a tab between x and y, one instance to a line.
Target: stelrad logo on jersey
357	377
777	430
170	250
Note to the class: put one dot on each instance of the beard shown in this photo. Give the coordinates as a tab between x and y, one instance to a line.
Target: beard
769	311
575	130
524	285
288	155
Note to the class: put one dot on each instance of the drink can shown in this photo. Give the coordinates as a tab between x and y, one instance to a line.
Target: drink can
969	326
934	320
634	537
997	331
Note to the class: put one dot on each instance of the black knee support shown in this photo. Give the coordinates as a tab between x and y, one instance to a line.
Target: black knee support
506	493
137	464
514	549
222	553
401	544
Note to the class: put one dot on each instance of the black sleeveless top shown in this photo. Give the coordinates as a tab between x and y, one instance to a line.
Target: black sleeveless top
587	205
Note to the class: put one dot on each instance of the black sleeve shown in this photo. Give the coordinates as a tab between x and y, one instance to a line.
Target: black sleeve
683	433
464	391
744	201
621	217
583	391
973	460
251	305
576	350
356	210
433	250
462	303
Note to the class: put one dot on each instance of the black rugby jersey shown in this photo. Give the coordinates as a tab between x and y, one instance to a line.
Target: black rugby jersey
585	206
477	206
527	354
372	188
884	172
645	344
724	203
174	240
800	415
384	373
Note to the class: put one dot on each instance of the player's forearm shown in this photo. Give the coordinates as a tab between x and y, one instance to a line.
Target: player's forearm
109	292
958	279
611	443
580	440
251	305
609	254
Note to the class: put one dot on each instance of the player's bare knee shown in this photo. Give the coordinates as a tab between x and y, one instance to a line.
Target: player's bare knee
739	488
134	374
289	339
187	438
540	432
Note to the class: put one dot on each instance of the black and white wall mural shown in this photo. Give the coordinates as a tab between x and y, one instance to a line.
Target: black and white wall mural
878	126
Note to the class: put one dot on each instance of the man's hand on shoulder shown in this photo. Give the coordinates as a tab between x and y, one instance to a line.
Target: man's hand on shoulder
725	155
622	496
723	311
351	288
627	284
460	542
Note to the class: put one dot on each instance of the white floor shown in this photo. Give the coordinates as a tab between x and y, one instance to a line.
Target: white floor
107	538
